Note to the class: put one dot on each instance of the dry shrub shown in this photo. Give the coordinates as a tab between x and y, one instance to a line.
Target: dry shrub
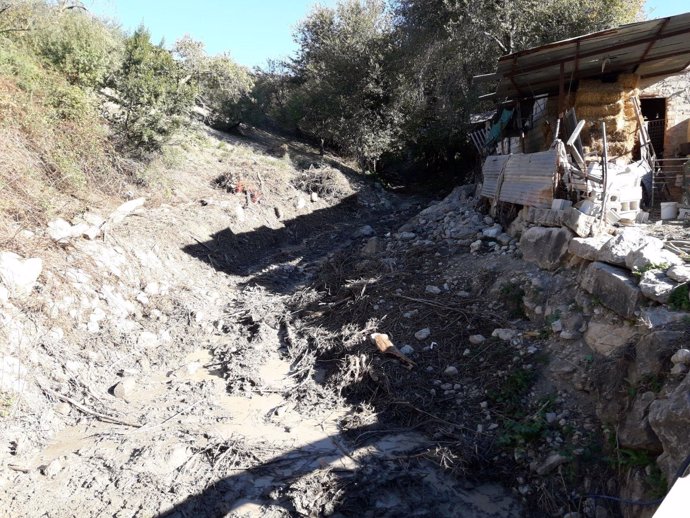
54	150
327	182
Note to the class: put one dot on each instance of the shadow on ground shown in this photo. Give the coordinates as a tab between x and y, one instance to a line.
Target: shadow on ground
276	258
373	471
378	477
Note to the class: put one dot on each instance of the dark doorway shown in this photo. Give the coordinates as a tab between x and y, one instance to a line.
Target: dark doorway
654	112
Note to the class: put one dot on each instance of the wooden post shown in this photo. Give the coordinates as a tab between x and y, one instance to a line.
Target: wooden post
604	170
561	91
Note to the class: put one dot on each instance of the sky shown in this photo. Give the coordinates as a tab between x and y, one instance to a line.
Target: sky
252	31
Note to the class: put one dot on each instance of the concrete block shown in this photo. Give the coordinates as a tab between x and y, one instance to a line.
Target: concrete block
589	207
545	217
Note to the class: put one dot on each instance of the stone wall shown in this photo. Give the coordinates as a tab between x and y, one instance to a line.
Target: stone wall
676	90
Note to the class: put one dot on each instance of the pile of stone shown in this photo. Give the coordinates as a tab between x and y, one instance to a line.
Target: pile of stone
455	223
620	269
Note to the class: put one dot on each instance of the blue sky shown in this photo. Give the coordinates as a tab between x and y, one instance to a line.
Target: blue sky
661	8
251	30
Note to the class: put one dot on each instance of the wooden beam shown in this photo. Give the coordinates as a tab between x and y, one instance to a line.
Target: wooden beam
577	156
576	133
561	90
482	78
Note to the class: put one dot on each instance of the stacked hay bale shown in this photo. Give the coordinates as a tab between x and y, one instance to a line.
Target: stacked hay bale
611	103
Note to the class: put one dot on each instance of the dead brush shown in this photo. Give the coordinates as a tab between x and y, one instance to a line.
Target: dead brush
328	183
230	455
235	184
317	493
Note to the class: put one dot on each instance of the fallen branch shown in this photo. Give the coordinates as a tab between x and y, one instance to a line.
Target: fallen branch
454	309
20	469
85	410
435	417
148	428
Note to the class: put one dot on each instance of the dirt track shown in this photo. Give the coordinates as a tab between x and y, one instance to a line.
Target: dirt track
239	413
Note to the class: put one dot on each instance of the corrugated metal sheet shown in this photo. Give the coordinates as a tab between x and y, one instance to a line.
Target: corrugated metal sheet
493	167
649	49
523	179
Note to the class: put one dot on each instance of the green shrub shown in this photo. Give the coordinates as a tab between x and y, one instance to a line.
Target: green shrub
223	85
53	141
155	95
80	47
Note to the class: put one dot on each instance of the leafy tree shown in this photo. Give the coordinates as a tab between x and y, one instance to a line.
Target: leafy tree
84	49
222	83
155	94
272	96
344	93
442	44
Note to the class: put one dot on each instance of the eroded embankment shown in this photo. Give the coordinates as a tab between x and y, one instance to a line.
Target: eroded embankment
160	362
213	356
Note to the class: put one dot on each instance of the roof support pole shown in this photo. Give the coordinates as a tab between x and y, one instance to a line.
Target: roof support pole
561	91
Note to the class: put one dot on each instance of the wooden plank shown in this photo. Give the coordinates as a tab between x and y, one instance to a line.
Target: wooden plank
576	133
604	167
570	125
576	156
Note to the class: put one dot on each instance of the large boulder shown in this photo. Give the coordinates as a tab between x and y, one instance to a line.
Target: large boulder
669	419
680	273
546	247
656	286
607	339
613	287
635	432
650	256
19	275
653	354
616	250
660	316
588	247
579	222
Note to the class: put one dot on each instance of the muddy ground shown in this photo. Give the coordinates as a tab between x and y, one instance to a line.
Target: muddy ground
267	397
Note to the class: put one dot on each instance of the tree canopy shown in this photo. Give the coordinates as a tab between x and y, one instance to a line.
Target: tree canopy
372	78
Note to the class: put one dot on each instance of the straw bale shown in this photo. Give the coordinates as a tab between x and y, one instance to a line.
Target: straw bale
596	112
629	81
589	97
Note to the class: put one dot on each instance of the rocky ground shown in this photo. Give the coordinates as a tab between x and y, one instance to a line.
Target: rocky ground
215	353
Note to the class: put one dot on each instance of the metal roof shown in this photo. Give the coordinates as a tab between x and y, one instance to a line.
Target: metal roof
653	48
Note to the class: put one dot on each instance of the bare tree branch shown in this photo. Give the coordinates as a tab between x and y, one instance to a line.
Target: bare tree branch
498	41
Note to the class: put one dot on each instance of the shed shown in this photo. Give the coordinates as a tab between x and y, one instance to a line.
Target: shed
633	78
